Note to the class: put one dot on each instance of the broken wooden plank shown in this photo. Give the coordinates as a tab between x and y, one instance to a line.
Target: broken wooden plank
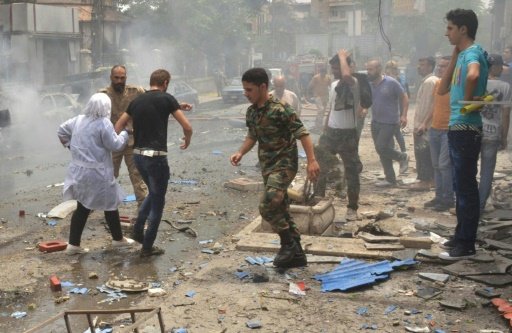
383	247
367	237
416	242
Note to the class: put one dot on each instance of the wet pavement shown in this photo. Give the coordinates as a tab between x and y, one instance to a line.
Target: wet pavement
33	160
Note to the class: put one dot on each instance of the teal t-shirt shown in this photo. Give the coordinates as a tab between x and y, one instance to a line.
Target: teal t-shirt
471	55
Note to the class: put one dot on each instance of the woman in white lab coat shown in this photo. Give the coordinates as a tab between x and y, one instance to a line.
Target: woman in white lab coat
90	178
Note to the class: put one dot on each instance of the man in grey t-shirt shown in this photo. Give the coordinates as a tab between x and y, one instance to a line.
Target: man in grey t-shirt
496	119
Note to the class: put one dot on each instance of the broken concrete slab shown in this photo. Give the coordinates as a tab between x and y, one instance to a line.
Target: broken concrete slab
498	245
495	226
457	304
367	237
249	239
244	184
428	292
428	254
383	247
405	254
495	280
416	242
500	214
483	257
314	259
435	277
468	267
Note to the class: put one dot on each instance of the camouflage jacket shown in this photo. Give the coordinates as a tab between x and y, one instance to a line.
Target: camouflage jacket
275	127
120	101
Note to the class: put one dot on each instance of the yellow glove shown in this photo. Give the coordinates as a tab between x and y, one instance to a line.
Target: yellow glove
475	107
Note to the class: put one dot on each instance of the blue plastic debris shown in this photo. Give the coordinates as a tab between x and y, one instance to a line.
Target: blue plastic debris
428	316
52	223
67	284
190	293
179	330
438	330
352	273
258	260
113	294
18	314
362	311
129	198
184	181
390	309
81	291
155	284
242	275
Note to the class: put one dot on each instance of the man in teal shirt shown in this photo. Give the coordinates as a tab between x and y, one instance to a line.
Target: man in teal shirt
465	79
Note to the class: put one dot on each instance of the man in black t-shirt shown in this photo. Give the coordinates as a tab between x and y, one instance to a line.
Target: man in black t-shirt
150	114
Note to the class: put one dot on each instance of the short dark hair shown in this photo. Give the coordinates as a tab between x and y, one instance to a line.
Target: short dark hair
159	77
335	60
430	60
256	75
115	67
464	17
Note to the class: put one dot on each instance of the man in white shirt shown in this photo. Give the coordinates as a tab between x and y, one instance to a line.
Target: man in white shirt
285	95
340	134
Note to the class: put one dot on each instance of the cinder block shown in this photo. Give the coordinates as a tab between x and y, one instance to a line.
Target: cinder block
416	242
244	184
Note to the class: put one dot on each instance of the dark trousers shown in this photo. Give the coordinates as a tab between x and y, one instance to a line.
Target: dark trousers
383	135
155	173
79	218
464	150
345	143
424	166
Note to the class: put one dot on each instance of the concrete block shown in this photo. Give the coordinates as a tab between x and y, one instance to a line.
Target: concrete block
416	242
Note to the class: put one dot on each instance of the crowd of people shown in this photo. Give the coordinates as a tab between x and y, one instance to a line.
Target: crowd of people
123	121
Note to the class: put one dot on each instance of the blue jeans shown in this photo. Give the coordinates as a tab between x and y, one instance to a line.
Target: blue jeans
464	150
155	173
383	135
487	166
441	163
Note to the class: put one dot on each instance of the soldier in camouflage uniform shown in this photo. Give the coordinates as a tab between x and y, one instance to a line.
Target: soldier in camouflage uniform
276	127
121	96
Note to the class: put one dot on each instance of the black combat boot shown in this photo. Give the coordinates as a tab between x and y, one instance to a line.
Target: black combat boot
288	249
299	260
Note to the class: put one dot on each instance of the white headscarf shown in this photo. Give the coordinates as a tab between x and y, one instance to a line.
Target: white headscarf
98	106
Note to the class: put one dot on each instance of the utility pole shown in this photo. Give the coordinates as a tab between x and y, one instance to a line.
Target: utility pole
97	33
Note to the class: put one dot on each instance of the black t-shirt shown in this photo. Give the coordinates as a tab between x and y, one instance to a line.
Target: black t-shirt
150	114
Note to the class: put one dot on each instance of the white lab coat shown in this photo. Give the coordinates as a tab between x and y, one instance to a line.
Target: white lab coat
90	177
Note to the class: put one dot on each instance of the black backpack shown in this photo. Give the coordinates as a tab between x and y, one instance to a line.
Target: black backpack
365	90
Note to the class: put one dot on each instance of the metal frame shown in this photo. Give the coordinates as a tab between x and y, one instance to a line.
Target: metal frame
133	327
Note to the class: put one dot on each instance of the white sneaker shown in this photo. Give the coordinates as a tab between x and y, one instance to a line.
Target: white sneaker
72	250
125	242
351	215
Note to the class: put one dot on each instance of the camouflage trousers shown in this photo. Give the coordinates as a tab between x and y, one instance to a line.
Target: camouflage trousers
345	143
274	203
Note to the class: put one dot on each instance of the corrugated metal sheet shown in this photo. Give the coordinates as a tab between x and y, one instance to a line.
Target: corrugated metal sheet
353	273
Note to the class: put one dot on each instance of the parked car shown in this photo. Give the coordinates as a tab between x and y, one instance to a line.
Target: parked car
234	91
60	106
184	93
